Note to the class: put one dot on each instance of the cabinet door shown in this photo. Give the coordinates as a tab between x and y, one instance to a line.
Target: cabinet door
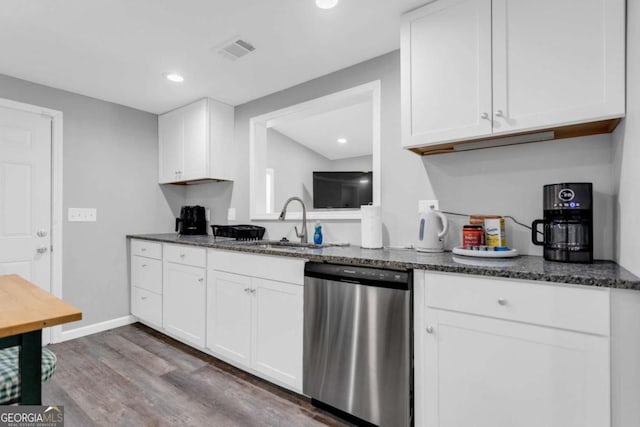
184	302
146	273
170	136
146	306
229	316
277	331
446	72
557	62
196	140
485	372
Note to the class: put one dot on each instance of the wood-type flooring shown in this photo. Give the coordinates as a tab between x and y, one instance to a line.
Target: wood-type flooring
135	376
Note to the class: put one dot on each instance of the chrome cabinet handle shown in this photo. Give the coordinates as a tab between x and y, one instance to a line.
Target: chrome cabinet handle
42	233
484	116
502	301
499	113
429	329
201	279
42	249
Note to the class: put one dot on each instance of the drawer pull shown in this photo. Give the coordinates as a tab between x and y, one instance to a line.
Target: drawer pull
429	329
502	301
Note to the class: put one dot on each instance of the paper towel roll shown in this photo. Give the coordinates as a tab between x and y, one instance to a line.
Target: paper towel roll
371	227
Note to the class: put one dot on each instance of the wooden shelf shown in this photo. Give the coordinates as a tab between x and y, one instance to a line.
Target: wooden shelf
571	131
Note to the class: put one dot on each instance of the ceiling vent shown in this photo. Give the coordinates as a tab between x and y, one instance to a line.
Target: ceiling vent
236	48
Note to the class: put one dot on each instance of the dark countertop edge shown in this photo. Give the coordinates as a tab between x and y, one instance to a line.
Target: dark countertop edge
567	279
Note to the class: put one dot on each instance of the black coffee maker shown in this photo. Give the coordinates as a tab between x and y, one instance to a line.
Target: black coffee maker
192	221
568	222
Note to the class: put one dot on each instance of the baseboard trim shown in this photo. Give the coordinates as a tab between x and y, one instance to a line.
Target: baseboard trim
95	328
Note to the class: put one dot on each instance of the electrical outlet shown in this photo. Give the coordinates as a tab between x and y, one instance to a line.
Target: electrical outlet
231	214
427	205
82	215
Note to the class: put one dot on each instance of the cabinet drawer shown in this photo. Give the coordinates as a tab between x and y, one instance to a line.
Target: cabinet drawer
146	306
279	268
146	273
560	306
147	249
182	254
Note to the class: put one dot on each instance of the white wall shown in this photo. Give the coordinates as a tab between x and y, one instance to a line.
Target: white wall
110	163
293	164
360	163
505	180
626	153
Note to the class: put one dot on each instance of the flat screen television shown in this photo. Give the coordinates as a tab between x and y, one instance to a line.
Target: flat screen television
342	190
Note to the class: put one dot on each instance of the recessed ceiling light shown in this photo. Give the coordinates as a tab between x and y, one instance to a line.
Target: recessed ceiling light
342	140
326	4
173	77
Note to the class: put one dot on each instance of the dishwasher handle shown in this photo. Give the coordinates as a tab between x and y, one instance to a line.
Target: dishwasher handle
360	275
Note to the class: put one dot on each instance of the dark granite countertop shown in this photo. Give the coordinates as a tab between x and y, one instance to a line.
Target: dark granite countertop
526	267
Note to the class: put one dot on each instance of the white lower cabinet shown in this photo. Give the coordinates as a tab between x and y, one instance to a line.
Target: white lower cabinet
255	322
184	300
146	306
276	342
146	282
483	359
229	316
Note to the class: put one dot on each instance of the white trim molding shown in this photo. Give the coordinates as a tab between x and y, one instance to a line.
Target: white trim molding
257	148
56	194
95	328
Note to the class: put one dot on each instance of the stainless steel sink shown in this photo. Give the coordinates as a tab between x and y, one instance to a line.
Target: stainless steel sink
275	244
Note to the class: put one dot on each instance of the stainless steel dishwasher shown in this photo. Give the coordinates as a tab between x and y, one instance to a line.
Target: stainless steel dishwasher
357	342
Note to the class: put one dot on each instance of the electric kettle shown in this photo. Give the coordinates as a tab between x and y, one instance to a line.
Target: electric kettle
432	226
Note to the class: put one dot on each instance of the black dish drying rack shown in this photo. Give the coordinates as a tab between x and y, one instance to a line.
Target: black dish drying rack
239	232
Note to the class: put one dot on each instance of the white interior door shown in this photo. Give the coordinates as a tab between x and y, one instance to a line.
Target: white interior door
25	197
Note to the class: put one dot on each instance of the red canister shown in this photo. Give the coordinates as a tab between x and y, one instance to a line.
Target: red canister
472	236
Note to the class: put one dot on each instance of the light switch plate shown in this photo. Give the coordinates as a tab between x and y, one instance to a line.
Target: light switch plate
231	214
427	205
82	215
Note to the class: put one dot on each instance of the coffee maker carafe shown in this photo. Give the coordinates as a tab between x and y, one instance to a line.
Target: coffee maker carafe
192	221
568	223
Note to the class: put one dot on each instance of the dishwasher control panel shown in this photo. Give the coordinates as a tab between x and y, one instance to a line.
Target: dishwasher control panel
357	274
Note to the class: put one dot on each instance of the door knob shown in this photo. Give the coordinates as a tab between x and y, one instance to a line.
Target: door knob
502	301
42	249
499	113
429	329
484	116
42	233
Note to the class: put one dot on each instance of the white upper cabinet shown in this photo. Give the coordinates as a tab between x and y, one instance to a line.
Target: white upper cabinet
195	142
446	72
476	69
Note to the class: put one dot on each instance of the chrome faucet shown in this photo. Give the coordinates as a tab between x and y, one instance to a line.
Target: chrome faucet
303	234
